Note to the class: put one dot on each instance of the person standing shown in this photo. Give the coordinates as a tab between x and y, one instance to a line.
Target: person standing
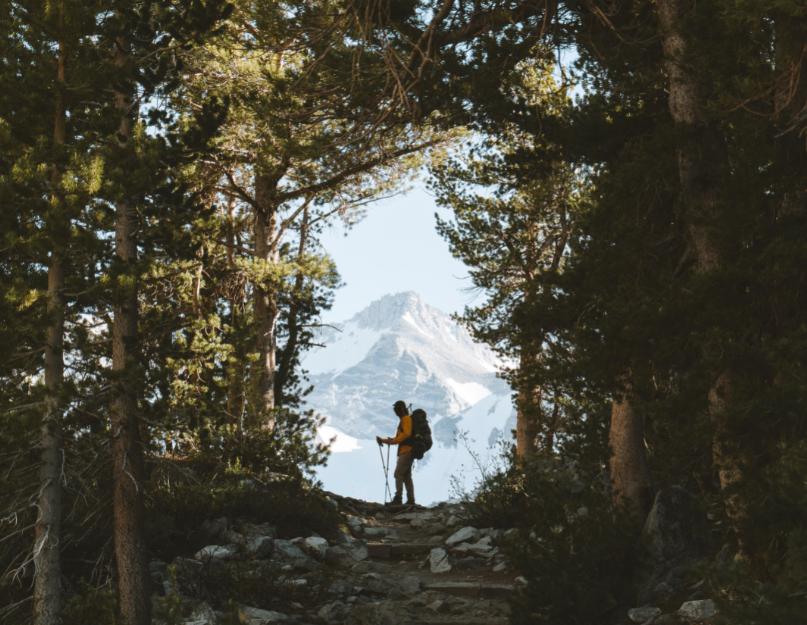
403	470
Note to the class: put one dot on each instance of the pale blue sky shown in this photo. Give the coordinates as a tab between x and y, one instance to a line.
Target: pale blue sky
396	248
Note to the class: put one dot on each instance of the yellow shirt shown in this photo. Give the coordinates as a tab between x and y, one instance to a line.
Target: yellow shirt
404	432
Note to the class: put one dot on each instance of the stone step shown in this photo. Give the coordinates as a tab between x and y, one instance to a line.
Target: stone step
389	551
459	620
473	590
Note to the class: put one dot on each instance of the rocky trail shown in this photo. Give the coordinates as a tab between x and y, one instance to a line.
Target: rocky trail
396	565
432	567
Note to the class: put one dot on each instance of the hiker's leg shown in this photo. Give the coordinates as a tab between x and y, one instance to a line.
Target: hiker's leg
403	471
405	462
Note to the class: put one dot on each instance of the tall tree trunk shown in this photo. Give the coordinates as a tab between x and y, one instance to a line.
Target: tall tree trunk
127	450
630	476
699	168
287	355
47	560
265	307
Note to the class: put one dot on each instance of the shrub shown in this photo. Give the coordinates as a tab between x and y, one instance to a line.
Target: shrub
575	550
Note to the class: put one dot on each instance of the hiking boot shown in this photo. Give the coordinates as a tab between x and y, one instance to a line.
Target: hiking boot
396	501
410	502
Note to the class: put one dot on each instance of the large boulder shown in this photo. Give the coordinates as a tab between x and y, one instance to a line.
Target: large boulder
465	535
675	538
438	561
697	611
315	546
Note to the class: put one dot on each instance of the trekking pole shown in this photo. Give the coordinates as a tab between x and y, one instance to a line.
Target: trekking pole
389	492
386	473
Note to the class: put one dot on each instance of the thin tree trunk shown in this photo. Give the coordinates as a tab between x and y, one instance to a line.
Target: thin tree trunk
290	349
265	307
631	480
528	412
127	450
47	560
235	389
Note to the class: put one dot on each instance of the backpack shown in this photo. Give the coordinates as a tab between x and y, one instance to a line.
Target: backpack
421	439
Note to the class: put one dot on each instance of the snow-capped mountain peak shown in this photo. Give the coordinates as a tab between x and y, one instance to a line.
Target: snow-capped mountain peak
398	347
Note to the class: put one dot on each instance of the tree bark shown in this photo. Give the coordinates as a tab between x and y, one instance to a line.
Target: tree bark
699	167
47	560
631	481
528	406
235	388
290	349
265	306
127	450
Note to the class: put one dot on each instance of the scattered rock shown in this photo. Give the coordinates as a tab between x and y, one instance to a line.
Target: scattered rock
438	561
332	612
641	615
696	611
202	614
287	550
256	616
466	534
500	567
349	553
315	546
261	546
217	552
453	521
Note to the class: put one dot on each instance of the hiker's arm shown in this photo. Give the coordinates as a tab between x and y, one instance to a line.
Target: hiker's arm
406	432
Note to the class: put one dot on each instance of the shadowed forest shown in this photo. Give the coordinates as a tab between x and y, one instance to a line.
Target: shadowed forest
628	184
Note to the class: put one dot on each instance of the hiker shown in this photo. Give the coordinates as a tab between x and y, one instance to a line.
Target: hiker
403	470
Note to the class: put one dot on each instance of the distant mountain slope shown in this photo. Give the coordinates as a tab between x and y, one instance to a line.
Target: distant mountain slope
399	347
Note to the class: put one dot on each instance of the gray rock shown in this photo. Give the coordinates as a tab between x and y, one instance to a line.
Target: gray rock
349	553
409	584
231	537
260	546
434	529
256	616
438	561
342	589
315	546
217	552
696	611
332	612
286	550
380	532
453	521
465	535
157	565
202	614
673	540
640	615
